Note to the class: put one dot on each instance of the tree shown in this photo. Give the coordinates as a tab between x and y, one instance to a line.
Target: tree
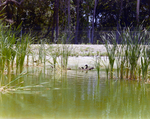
92	37
137	11
8	6
56	21
52	18
77	23
118	22
69	19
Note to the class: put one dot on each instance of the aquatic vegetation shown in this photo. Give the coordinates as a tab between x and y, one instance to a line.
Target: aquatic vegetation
13	50
21	52
13	84
111	52
42	53
135	42
97	66
65	53
54	53
132	57
145	61
127	55
7	52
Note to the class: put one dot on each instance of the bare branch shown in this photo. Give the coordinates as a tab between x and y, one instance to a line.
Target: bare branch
9	1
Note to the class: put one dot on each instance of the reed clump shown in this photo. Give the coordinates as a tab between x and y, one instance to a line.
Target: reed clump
97	66
21	52
133	48
65	53
13	50
54	52
145	61
111	51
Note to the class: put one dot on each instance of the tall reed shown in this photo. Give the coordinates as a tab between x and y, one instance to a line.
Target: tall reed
111	50
65	53
21	50
54	52
7	52
128	53
145	61
135	41
127	61
120	61
97	66
42	53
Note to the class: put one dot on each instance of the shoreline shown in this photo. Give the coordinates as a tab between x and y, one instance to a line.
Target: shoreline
80	54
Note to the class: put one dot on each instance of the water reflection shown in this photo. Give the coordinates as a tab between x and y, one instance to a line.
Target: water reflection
75	95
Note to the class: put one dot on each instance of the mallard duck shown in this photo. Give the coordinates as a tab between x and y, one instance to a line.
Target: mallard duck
87	67
68	68
81	68
65	68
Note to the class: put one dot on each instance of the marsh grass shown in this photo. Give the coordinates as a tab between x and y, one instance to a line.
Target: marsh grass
111	52
29	52
7	52
118	63
131	50
13	84
12	53
65	53
97	66
54	53
41	55
122	63
134	55
135	42
127	61
145	61
106	67
21	52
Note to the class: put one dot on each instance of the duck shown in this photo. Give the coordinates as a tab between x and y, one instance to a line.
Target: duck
66	68
87	67
80	68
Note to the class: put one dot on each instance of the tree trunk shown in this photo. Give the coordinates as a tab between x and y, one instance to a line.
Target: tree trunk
48	30
77	24
57	20
118	23
92	35
88	29
88	24
125	13
69	19
137	11
54	19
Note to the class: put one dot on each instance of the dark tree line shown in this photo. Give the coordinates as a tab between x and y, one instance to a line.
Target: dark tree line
76	21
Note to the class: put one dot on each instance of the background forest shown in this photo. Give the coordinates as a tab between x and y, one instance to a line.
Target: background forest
74	21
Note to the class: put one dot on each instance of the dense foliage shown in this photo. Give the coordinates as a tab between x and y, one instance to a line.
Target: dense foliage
74	21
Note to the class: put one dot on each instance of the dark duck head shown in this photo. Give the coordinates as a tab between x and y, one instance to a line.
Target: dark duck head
87	67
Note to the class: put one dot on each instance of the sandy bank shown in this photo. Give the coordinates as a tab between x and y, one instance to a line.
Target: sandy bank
80	54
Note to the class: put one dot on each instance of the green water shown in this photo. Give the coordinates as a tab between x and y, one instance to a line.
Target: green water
75	95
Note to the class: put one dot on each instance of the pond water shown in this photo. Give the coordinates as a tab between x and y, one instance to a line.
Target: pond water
75	94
